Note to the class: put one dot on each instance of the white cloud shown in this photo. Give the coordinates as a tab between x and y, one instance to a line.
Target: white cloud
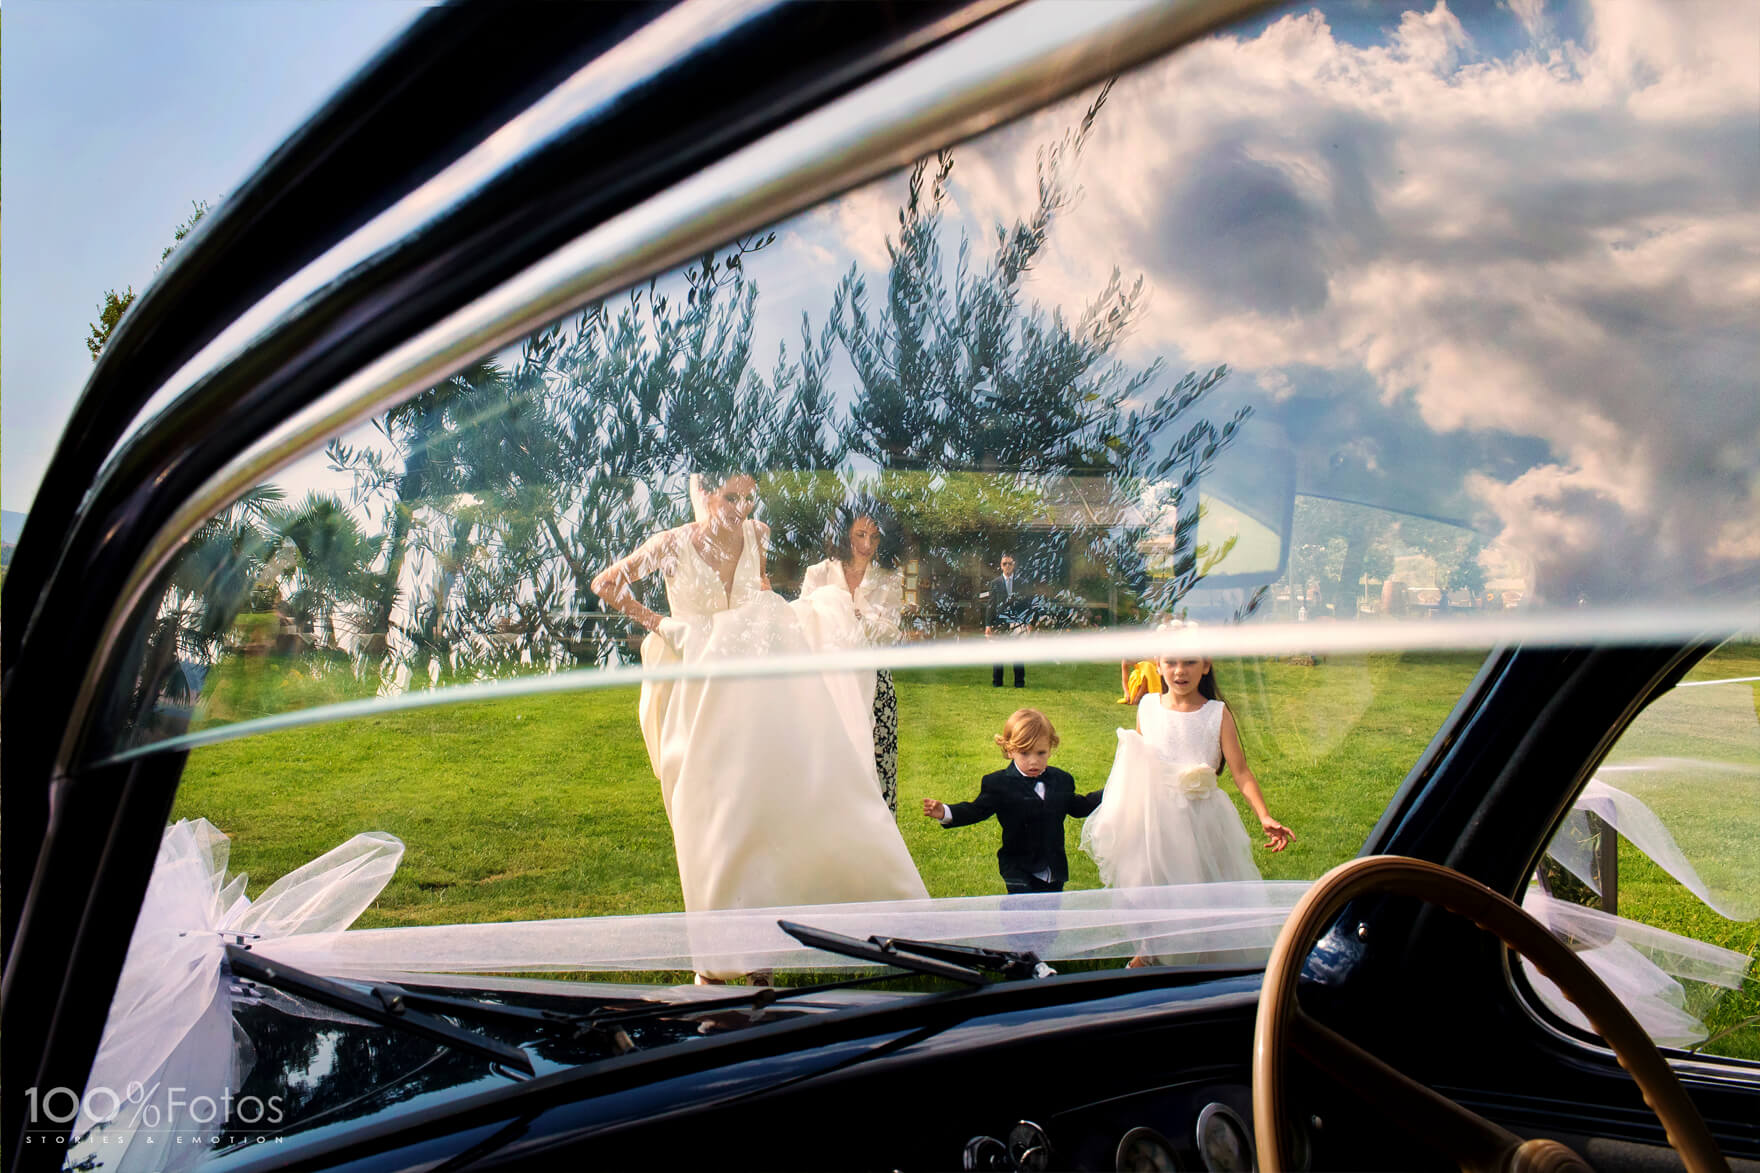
1560	243
862	221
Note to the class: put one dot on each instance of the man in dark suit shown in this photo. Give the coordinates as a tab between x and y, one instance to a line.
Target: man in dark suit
1030	799
1006	610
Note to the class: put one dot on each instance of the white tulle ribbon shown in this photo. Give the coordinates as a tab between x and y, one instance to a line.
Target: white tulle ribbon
169	1039
1684	766
1641	827
1183	923
1641	964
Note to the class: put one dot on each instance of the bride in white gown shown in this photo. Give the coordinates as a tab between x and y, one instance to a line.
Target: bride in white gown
768	782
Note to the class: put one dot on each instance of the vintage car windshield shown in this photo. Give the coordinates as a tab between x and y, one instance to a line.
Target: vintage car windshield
1340	347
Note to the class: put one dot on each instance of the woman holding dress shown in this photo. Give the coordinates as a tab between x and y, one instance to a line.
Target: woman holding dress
876	591
768	782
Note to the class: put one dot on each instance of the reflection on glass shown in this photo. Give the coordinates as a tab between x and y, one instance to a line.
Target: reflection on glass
1303	355
1379	315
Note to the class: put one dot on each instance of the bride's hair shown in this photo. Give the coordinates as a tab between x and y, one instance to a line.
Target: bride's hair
1024	729
703	484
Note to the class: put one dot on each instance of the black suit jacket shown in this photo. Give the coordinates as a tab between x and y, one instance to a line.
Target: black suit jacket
1032	827
1004	610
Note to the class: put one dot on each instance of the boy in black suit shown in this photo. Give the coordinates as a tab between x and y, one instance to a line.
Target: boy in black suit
1030	799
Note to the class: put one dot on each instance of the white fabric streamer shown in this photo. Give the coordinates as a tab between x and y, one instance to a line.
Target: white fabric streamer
1694	755
1640	826
1236	921
1639	963
169	1038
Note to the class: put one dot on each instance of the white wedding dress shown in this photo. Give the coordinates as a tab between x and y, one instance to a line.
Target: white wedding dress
1163	819
768	782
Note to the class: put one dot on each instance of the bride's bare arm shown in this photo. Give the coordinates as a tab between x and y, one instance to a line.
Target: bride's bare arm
614	582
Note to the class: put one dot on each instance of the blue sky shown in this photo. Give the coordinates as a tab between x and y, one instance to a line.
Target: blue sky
117	116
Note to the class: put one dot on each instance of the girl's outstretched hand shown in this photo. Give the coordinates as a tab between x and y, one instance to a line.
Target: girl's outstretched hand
1277	836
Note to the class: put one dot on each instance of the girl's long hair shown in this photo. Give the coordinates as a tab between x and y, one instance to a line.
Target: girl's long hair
1207	687
1207	682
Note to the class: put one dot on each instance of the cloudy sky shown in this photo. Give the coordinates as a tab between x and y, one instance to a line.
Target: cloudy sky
1496	262
1493	262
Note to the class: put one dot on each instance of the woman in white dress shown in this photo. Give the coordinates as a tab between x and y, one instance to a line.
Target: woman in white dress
877	593
768	782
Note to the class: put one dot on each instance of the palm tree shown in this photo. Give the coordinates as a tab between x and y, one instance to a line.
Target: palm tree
416	430
329	560
210	580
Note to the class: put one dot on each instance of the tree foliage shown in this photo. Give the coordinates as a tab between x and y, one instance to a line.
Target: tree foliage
959	371
970	416
110	311
114	305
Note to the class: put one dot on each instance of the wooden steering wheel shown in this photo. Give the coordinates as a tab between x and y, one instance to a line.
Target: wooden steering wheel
1474	1142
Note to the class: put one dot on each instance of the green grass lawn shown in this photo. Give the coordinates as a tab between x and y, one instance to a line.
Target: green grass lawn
545	806
1718	826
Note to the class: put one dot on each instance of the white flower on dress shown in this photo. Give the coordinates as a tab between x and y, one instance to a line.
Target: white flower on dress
1195	781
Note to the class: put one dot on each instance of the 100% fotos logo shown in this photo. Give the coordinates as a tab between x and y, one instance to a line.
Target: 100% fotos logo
60	1105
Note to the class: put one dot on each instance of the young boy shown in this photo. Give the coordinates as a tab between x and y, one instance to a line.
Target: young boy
1030	799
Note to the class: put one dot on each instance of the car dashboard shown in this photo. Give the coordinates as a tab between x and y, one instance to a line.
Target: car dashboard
1086	1071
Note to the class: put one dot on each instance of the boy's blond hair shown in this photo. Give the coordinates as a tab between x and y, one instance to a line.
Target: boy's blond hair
1024	729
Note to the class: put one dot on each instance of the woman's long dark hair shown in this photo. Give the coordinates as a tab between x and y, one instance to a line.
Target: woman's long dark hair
891	537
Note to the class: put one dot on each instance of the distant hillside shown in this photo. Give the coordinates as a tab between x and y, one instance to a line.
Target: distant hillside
11	525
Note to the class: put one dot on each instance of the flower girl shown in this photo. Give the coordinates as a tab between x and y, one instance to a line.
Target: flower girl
1163	819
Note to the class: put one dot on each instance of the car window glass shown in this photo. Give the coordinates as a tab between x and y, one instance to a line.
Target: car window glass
1653	876
1134	334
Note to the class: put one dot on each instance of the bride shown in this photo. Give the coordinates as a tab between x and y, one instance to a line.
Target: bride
768	782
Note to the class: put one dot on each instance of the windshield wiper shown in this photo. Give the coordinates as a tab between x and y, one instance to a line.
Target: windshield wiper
404	1008
416	1011
388	1006
962	963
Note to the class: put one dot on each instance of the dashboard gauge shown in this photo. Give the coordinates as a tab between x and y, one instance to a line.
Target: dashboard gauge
1143	1150
1029	1147
1224	1145
986	1153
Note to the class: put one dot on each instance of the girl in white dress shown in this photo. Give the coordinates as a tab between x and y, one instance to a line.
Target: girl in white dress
1163	819
877	593
768	782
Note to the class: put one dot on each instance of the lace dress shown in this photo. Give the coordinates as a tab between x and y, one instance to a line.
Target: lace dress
768	782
